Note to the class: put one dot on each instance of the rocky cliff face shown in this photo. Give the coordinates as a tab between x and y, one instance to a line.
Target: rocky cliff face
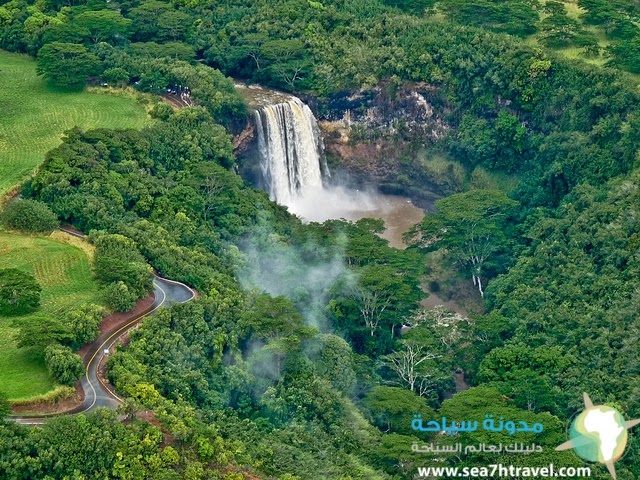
414	109
372	136
377	135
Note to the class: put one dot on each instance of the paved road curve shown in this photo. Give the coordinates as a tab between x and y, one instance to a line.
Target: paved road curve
97	394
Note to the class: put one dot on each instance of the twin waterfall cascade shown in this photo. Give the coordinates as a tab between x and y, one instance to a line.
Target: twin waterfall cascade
291	151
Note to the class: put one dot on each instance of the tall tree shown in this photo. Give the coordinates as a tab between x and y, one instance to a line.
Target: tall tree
19	292
410	364
471	226
380	296
42	332
103	25
67	64
392	408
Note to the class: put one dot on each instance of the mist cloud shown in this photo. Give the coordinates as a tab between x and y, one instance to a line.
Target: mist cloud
303	274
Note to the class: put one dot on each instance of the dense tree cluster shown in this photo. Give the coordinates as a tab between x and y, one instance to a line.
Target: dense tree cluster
620	22
513	107
250	362
99	446
573	293
260	369
122	269
67	64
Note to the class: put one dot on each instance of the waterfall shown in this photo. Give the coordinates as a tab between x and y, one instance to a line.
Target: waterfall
291	151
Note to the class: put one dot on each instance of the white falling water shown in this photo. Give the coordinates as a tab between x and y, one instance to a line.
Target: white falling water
293	165
291	151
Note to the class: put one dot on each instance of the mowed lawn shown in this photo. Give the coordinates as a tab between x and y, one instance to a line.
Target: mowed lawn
33	116
64	272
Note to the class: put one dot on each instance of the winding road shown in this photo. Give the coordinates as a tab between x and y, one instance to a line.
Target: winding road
96	393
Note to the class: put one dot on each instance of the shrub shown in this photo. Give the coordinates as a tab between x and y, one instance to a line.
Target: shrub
30	216
64	366
161	111
58	394
118	77
118	297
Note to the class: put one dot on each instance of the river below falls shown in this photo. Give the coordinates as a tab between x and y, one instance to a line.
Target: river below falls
398	213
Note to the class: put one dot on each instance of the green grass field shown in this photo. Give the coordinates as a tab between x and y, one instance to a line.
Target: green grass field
575	12
34	116
65	275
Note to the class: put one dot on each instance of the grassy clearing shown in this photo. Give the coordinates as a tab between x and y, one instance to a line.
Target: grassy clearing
574	10
64	272
483	178
34	116
444	171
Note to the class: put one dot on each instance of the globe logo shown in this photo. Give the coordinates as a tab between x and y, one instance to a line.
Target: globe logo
599	434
